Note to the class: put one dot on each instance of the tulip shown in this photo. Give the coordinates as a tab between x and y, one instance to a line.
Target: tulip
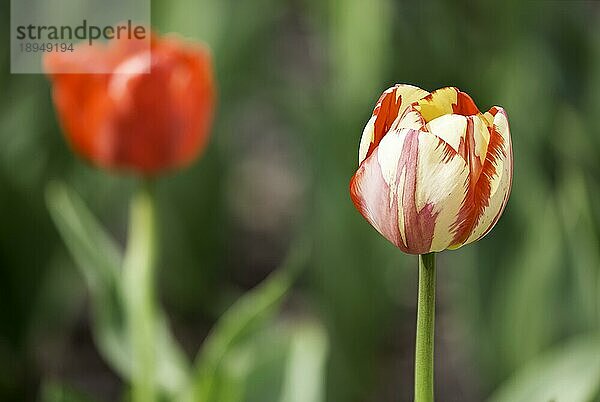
434	174
151	112
146	109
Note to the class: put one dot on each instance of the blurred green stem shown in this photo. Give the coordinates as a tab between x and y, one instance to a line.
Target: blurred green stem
138	271
425	329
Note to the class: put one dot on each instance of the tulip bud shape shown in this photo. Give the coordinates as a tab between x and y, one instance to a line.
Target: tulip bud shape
152	112
434	172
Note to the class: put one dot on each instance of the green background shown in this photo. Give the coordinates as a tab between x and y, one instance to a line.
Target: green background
297	80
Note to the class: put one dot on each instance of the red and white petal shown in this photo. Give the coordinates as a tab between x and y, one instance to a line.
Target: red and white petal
499	175
390	106
451	128
411	119
497	117
442	182
469	136
374	188
407	95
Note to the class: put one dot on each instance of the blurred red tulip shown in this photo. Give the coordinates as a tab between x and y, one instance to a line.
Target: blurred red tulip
129	119
434	172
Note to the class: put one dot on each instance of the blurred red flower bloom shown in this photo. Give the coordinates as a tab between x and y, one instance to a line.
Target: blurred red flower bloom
151	112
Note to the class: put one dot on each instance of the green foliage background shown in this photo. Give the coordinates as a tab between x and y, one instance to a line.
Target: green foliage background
297	81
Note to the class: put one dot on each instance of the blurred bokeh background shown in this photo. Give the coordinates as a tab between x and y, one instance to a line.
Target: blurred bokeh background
297	81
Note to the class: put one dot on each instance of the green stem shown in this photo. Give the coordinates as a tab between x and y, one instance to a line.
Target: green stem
138	282
425	329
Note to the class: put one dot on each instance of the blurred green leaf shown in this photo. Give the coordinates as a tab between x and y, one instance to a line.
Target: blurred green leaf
358	79
581	241
521	306
568	373
268	348
242	319
283	361
236	368
305	373
56	392
99	259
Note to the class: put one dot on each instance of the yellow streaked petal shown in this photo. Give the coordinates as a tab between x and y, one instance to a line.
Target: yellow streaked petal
366	139
438	103
481	135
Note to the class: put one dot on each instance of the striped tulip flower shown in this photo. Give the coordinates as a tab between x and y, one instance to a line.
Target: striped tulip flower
151	112
434	172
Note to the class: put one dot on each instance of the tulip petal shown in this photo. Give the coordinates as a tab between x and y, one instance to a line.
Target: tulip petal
442	182
411	119
178	95
449	100
390	106
498	170
469	136
374	190
480	138
451	128
486	198
411	190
